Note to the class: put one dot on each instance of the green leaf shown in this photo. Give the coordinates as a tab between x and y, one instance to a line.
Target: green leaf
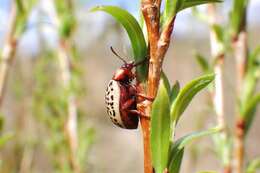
192	3
203	63
135	34
174	92
219	31
249	111
254	58
166	82
237	16
253	166
177	148
187	93
185	140
175	159
160	129
171	9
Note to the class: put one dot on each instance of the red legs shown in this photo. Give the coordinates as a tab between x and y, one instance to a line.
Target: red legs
144	97
138	113
133	89
128	104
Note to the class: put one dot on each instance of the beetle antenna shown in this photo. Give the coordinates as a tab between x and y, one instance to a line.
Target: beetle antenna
114	52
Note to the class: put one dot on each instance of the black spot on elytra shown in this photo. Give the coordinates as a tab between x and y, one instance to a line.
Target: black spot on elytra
114	113
112	97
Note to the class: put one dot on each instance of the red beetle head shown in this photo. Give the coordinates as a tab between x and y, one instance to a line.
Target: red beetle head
124	74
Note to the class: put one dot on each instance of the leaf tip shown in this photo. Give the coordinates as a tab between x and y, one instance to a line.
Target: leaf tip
96	8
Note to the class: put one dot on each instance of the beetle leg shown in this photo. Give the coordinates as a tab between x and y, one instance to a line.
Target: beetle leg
138	113
128	103
145	97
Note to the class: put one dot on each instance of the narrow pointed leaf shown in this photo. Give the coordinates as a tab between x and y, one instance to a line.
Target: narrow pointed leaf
185	140
174	91
175	159
166	82
187	93
160	129
177	148
219	31
203	63
253	57
134	32
192	3
250	111
171	9
237	16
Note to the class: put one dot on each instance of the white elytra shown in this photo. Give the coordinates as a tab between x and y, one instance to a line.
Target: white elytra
112	99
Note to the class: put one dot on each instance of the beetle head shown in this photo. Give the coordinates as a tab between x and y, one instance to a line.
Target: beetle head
124	74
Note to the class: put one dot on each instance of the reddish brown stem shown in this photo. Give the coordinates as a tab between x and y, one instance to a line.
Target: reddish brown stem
158	45
151	16
240	47
239	145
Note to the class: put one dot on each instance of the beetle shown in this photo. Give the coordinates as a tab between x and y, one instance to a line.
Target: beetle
121	96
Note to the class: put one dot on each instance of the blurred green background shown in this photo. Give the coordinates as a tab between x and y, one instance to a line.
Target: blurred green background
35	106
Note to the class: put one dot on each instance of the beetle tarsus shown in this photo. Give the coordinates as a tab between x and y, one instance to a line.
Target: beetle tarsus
151	99
138	113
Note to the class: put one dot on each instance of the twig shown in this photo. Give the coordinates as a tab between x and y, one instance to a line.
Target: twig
9	50
150	13
71	122
158	44
240	47
218	59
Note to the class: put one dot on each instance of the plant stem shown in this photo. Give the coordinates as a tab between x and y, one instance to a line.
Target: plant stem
71	122
158	45
239	145
218	59
9	50
66	76
240	47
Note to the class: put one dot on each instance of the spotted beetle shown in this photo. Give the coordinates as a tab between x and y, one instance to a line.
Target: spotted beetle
120	96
